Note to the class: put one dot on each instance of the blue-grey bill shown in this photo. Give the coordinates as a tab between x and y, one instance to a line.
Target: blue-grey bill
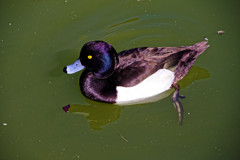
73	68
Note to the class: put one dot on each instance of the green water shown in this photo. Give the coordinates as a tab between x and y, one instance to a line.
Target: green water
38	38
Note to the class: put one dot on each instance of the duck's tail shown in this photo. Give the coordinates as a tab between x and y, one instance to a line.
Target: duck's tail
188	59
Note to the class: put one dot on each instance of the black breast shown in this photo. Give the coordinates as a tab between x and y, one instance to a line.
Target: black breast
103	90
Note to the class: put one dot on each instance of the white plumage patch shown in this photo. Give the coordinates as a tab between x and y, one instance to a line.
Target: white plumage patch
152	86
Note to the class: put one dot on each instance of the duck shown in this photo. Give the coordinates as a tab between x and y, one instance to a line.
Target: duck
135	75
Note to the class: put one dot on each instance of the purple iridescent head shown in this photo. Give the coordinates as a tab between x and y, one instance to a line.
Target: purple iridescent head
97	57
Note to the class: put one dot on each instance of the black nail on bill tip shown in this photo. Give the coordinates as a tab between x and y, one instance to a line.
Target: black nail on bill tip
65	69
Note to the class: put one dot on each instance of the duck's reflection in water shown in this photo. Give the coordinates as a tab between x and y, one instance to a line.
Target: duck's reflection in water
100	114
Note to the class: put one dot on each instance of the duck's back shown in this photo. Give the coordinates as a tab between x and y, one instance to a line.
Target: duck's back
137	64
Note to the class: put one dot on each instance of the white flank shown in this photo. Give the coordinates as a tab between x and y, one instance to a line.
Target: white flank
152	86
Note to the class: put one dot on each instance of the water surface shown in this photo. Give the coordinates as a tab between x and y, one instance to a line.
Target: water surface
38	38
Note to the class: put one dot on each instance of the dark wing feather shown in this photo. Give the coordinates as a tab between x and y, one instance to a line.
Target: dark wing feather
188	59
137	64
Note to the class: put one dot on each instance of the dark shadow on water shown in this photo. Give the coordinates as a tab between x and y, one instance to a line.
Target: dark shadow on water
195	73
100	114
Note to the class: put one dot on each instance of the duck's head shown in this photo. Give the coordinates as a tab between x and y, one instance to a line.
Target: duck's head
97	57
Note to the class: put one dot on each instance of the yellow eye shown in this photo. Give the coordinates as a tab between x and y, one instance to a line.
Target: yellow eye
89	57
